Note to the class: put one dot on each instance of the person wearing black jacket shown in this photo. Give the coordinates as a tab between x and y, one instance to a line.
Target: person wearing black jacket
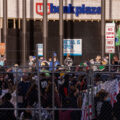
7	114
116	108
106	109
22	89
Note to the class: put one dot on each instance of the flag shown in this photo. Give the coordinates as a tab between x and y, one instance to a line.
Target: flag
87	106
117	39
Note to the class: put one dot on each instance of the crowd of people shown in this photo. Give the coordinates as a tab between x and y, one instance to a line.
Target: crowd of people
19	89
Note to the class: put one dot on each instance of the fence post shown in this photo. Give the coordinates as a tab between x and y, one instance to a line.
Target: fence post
53	95
90	94
16	94
88	91
38	81
109	62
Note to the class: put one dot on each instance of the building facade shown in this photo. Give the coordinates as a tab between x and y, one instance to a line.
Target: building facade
82	20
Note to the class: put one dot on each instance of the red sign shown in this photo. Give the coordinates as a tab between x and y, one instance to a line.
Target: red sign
110	38
39	8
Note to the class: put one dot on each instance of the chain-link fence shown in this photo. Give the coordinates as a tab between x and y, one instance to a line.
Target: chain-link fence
37	93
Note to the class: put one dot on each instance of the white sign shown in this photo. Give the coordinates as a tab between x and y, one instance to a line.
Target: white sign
73	47
73	9
77	9
110	38
40	50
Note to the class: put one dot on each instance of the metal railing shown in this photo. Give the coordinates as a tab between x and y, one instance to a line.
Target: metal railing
90	76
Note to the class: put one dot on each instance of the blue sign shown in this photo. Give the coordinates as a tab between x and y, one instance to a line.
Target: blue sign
76	9
70	9
73	47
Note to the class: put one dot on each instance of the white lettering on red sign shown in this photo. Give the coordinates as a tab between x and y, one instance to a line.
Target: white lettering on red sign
110	38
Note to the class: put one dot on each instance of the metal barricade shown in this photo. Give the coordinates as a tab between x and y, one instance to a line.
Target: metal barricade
61	96
39	108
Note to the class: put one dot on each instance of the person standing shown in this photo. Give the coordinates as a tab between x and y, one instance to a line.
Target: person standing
116	108
7	114
106	109
53	63
22	89
68	62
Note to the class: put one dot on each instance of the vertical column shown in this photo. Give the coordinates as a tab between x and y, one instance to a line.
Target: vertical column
103	26
110	9
53	86
45	28
14	23
38	81
61	30
5	25
24	52
0	35
0	30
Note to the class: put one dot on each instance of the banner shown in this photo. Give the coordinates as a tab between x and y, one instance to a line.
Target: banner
2	48
117	39
72	47
40	50
72	10
112	87
110	38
